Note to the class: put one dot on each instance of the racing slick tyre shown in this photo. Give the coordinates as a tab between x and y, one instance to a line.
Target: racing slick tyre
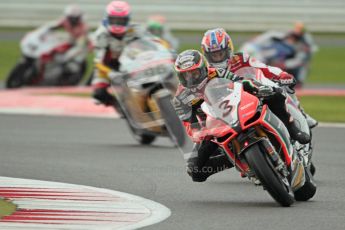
269	178
17	77
142	138
145	139
172	121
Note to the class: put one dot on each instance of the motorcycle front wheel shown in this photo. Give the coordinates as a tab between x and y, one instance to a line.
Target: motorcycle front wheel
142	138
17	77
259	162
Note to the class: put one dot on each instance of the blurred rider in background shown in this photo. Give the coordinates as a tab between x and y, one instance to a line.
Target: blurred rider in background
73	23
156	25
110	38
219	52
304	47
291	51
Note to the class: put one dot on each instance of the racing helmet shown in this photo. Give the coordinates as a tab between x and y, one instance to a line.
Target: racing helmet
191	69
117	18
217	47
73	15
155	25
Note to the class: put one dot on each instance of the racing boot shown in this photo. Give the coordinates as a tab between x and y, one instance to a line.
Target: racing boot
201	164
213	165
312	123
297	134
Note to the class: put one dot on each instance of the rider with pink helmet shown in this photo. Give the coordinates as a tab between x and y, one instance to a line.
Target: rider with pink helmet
117	18
109	40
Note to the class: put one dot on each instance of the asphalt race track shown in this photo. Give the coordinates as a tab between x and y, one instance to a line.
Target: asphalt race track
101	153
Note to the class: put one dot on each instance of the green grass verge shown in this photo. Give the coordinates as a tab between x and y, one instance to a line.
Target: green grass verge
328	66
6	208
9	55
325	108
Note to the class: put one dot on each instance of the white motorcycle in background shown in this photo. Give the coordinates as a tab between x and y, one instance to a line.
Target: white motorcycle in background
145	90
47	59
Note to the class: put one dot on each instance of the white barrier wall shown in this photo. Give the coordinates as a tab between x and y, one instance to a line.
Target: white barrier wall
241	15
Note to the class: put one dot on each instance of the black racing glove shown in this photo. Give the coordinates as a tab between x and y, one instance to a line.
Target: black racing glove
102	95
227	74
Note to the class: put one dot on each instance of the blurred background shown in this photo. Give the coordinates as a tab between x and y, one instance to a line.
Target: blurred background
189	19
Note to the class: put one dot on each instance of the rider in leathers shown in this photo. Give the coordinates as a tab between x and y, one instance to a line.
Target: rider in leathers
218	49
193	73
109	41
73	23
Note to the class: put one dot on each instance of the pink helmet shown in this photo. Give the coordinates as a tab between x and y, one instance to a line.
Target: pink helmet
117	17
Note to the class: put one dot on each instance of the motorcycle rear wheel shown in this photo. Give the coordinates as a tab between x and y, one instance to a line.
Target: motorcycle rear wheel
259	162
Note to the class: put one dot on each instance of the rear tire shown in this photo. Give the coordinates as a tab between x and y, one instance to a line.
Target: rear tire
75	78
257	161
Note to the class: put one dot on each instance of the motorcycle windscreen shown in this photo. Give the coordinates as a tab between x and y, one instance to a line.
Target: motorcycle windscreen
215	117
255	74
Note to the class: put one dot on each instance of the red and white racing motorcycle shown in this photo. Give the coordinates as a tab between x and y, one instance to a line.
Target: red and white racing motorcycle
255	140
46	61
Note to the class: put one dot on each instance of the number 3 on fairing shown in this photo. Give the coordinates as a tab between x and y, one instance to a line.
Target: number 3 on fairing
226	107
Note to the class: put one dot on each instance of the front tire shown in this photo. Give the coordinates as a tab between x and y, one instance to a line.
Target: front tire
17	77
142	138
258	161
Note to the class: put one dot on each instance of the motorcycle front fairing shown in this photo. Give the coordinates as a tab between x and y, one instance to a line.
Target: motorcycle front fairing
291	104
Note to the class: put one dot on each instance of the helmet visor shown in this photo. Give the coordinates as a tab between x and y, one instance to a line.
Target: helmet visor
192	78
118	21
73	20
218	56
156	31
